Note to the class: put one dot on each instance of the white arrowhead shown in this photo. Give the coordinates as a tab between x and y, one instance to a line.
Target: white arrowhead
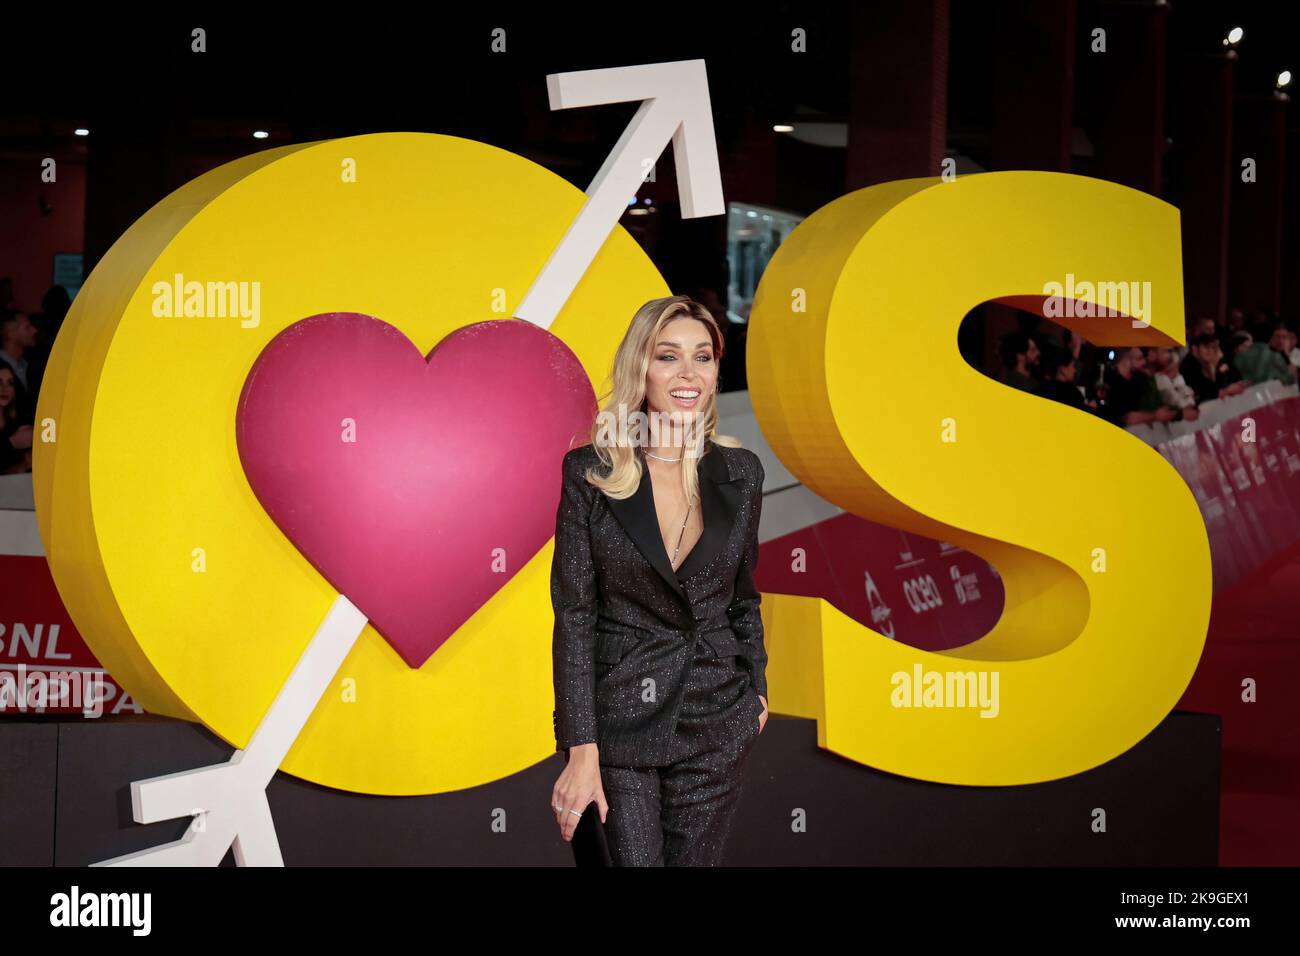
674	106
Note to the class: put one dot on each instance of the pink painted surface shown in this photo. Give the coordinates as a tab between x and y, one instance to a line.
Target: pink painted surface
416	487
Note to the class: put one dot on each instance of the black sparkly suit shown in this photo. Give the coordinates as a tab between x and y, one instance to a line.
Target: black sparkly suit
661	670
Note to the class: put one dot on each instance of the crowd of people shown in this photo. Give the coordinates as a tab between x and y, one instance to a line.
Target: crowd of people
1134	386
25	343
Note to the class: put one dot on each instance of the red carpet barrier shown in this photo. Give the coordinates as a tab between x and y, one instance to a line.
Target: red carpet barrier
42	650
1248	491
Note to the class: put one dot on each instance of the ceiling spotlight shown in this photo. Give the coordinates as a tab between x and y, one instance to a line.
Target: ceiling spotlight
1234	36
782	128
260	134
81	131
1284	79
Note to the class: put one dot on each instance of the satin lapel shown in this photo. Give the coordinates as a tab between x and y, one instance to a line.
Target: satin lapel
720	499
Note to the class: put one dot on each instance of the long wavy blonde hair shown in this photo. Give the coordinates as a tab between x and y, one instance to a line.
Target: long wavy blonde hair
615	447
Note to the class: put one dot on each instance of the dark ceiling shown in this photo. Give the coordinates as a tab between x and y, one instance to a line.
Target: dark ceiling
333	74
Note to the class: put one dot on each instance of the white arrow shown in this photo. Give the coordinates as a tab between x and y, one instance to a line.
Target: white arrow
674	106
228	800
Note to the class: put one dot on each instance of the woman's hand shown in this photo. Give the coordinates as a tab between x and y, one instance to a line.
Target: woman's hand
762	718
577	787
22	437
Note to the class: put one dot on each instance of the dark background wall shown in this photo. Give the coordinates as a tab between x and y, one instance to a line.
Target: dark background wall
880	91
65	800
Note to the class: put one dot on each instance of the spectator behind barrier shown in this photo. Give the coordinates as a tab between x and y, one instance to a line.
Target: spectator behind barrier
1132	397
18	353
1257	362
1060	370
1281	340
1019	353
54	309
1174	391
1206	371
15	436
1202	326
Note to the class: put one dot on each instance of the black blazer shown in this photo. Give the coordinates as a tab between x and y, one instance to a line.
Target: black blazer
626	625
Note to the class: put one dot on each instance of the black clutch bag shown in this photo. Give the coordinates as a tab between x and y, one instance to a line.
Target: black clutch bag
590	847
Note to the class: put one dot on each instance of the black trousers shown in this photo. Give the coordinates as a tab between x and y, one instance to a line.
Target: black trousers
680	814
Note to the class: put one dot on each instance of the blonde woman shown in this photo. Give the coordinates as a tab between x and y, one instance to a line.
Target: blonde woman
659	663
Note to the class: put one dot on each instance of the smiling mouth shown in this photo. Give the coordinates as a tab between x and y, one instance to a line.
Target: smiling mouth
685	397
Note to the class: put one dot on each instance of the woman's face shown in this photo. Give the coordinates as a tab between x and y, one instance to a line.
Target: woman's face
7	390
683	369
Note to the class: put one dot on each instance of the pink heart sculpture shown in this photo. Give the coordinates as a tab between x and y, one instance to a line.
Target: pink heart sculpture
416	487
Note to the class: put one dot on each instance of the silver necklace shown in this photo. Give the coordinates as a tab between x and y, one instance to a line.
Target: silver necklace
682	532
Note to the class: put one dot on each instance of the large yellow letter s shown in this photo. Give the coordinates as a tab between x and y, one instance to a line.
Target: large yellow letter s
858	386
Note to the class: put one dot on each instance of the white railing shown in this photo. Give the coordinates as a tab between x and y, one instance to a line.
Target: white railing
1216	412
